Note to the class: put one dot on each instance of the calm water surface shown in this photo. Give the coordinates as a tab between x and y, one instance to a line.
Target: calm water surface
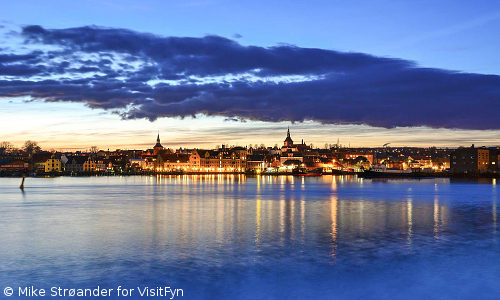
237	237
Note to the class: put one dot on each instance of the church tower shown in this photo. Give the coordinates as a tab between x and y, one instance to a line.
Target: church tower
158	147
288	140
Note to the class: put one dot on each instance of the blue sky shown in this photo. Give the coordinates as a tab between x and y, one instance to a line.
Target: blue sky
457	35
450	35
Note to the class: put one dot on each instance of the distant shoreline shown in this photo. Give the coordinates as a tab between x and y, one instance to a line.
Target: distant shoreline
360	175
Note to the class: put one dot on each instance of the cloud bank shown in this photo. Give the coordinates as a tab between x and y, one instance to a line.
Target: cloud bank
141	75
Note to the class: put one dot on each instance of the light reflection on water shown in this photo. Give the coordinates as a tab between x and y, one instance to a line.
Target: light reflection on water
233	237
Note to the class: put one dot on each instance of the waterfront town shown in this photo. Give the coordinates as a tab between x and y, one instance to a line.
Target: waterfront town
290	158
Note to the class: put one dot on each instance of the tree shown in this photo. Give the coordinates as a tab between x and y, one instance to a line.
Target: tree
6	146
94	149
31	147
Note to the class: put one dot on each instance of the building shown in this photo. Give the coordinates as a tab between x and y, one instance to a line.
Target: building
474	160
441	163
14	156
289	165
494	160
291	156
195	161
420	163
288	141
356	154
257	163
139	163
172	162
221	160
39	160
15	165
102	165
158	147
90	165
289	146
53	165
75	164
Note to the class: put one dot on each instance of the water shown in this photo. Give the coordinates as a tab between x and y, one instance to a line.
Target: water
237	237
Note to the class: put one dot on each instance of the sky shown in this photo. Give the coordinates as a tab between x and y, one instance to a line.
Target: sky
74	74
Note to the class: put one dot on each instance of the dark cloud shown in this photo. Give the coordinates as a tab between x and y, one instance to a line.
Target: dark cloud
20	70
10	58
141	75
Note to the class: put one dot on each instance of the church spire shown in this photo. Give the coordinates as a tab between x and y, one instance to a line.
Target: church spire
288	140
158	144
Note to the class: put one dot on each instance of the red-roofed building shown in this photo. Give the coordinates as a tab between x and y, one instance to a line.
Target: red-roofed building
9	166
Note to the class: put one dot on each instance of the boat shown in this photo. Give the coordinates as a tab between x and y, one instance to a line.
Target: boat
305	172
383	171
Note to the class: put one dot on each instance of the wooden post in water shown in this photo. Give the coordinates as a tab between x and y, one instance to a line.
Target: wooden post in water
22	183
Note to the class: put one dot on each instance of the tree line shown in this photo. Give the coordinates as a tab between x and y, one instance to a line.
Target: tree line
29	147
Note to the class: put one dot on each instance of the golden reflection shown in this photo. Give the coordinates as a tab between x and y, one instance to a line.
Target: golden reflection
238	202
494	212
257	213
302	218
436	218
292	218
184	223
334	183
278	219
333	215
221	211
361	215
282	220
257	221
409	216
